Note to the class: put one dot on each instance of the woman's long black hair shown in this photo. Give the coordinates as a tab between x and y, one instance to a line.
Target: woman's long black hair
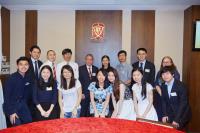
143	82
106	83
41	84
63	80
105	56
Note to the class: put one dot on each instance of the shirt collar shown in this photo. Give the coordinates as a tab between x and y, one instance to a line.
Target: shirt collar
142	62
88	66
33	60
170	83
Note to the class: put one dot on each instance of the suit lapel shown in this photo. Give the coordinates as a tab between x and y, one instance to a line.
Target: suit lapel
86	71
166	92
173	88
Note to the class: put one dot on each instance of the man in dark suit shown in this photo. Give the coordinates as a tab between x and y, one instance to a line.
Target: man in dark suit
87	74
147	67
33	72
34	62
175	104
15	94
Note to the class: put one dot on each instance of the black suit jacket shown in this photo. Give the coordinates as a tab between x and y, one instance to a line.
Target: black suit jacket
85	79
176	107
149	71
31	68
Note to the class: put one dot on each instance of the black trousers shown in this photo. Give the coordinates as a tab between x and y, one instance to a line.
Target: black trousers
85	107
46	107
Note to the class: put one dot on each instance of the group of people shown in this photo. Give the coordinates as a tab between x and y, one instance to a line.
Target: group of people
42	91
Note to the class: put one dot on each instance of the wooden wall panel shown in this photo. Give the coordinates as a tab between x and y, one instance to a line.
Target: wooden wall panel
191	66
30	30
5	27
5	18
112	40
143	33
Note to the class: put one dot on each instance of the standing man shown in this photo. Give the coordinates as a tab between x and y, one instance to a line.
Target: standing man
87	74
124	69
67	54
34	62
15	94
147	67
33	72
175	105
51	58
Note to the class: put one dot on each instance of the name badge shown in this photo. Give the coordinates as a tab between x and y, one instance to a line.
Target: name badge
93	74
27	83
173	94
147	70
49	88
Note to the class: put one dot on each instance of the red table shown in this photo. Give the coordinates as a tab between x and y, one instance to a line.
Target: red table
89	125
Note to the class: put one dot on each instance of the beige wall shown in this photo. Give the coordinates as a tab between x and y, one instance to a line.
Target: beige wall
56	30
169	37
17	37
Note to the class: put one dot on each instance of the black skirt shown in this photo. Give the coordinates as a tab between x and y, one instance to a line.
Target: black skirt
46	107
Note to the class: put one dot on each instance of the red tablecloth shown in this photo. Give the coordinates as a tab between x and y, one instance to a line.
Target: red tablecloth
89	125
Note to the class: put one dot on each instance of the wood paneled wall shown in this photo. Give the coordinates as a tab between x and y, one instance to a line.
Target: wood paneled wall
111	43
31	30
5	23
191	66
143	33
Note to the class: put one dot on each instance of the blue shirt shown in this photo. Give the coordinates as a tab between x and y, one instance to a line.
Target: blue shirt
17	89
48	95
169	86
124	71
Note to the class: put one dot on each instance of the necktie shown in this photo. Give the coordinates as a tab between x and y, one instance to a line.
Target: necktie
36	70
90	72
141	65
54	70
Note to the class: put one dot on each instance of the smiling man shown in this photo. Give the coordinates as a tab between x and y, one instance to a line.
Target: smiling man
16	92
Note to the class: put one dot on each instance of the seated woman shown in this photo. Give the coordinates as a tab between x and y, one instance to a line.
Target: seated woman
45	95
166	61
143	97
100	95
70	93
121	98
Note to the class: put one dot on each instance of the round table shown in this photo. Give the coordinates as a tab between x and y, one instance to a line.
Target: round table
89	125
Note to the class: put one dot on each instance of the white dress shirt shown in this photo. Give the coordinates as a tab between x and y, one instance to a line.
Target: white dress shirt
49	63
74	66
33	62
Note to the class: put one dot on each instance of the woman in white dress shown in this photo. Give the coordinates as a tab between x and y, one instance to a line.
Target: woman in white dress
143	97
121	98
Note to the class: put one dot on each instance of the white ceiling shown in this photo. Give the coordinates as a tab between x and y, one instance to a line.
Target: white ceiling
79	4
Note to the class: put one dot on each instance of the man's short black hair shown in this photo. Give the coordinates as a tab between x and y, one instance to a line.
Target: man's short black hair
67	50
142	49
121	52
167	69
35	47
22	58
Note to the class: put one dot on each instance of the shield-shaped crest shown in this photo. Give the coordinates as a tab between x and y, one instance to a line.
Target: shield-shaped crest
98	31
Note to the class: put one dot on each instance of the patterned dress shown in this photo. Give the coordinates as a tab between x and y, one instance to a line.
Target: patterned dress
99	97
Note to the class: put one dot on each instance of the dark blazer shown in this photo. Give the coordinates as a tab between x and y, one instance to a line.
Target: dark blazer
16	91
31	68
85	79
176	107
149	71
